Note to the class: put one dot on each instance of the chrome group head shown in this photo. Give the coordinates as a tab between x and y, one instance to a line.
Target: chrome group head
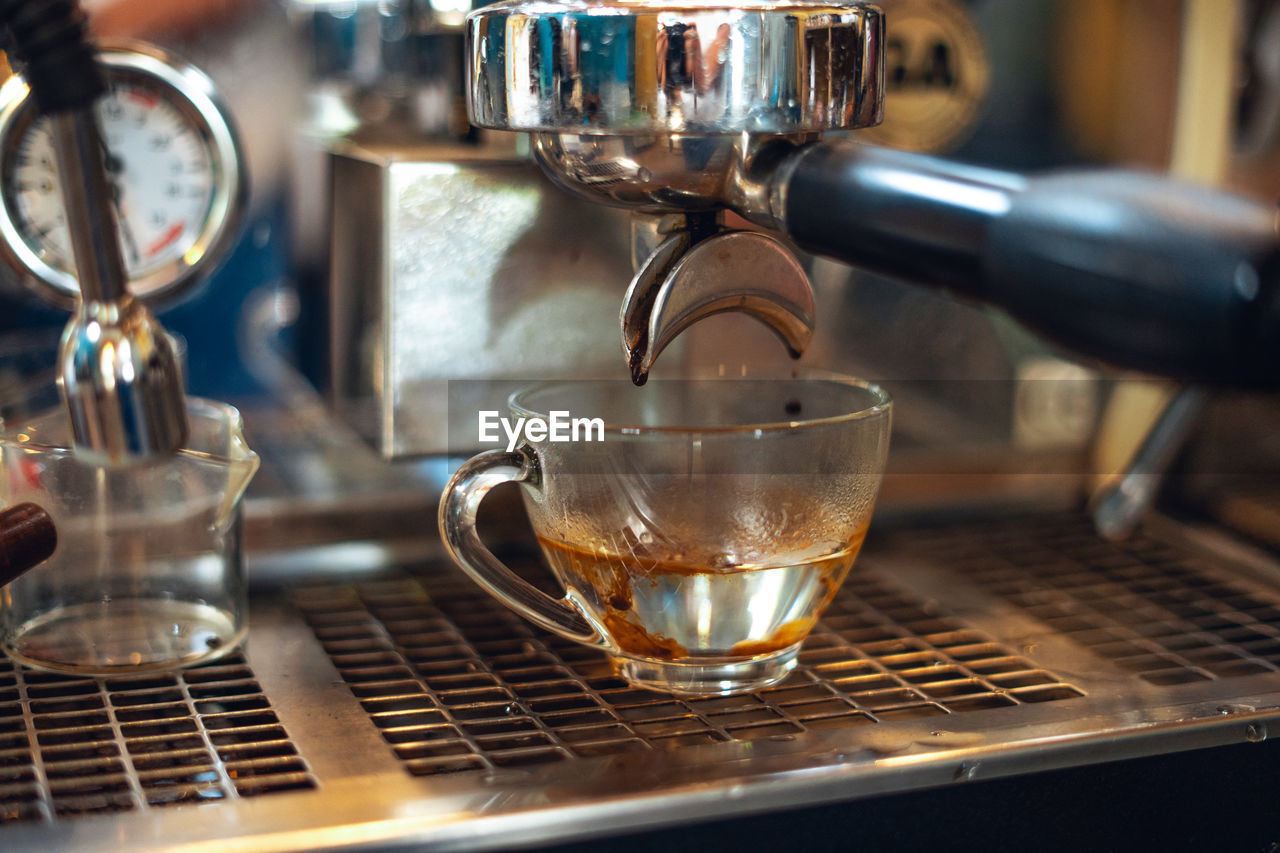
680	112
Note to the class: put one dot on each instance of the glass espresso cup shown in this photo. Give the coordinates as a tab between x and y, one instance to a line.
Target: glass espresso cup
699	528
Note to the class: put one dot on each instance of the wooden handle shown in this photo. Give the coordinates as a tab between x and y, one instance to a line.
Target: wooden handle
27	539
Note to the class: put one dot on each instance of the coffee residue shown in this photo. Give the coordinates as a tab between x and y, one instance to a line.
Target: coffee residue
788	634
635	640
635	359
610	582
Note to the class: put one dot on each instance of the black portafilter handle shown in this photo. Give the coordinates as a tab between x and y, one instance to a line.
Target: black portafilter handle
1136	270
27	538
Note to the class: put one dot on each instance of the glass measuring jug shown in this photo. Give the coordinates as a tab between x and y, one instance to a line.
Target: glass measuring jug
149	572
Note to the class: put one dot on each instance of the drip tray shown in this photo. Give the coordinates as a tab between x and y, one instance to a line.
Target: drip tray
408	708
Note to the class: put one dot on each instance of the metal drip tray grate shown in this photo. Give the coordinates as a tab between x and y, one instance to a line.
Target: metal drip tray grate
1164	615
409	710
455	681
71	746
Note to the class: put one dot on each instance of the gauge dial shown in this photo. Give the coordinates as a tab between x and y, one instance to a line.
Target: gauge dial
172	162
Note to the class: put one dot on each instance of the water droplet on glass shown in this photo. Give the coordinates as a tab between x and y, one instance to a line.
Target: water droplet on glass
966	772
723	560
1255	732
644	174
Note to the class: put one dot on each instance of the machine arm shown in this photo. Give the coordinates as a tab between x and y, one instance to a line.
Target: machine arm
1133	269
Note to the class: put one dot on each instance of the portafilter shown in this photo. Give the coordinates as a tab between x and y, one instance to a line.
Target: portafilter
683	111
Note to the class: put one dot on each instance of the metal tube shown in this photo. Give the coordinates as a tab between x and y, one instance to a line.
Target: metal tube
117	369
86	197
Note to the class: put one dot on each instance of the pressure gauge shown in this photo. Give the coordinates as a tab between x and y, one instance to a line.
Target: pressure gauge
173	162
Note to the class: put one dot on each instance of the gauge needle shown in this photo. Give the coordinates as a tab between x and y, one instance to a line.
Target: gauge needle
115	166
126	233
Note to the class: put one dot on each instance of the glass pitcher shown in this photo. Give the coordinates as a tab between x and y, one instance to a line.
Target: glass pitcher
148	573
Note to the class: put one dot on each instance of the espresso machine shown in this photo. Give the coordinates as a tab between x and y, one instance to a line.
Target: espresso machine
748	182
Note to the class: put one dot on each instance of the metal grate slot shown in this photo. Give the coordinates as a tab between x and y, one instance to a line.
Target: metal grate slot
454	681
71	746
1167	617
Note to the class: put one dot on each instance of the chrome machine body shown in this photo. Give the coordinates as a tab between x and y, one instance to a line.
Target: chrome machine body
445	243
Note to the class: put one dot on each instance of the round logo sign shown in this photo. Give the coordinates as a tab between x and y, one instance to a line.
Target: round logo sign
936	76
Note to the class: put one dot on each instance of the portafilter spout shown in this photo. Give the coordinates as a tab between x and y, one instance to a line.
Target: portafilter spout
660	108
681	110
118	371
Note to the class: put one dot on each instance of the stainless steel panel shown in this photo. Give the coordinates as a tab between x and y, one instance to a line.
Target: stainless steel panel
455	267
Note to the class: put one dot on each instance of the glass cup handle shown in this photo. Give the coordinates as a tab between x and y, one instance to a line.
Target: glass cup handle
458	508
